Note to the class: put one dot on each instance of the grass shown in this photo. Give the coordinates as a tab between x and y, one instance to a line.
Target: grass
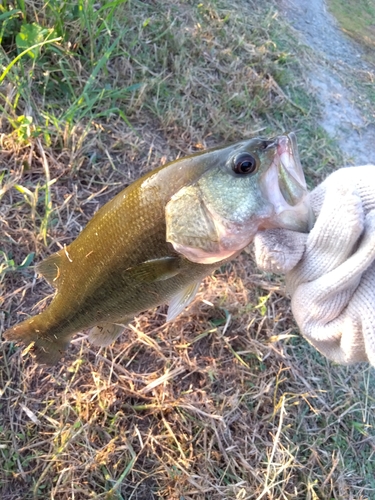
357	19
227	402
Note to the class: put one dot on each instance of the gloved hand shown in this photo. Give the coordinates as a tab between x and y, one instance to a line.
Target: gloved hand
330	272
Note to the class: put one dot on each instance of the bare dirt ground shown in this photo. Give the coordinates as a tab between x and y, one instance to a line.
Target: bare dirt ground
343	117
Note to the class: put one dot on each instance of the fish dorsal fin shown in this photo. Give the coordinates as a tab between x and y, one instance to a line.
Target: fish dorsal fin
50	268
155	270
106	333
182	299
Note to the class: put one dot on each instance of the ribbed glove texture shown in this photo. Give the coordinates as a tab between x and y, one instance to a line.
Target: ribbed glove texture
330	272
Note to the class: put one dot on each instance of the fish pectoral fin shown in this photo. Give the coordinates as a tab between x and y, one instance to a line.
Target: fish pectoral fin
182	299
50	268
105	333
155	270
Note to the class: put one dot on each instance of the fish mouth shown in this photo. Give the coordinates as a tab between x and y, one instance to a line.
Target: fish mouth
286	189
292	182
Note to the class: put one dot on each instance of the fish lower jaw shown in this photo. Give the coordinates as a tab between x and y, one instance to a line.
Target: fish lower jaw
200	256
297	218
287	194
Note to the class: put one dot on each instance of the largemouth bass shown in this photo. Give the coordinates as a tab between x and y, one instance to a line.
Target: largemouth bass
159	237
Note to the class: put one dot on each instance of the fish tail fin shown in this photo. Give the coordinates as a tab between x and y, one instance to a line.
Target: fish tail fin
43	345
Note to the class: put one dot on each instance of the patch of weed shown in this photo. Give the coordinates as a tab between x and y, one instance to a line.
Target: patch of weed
357	19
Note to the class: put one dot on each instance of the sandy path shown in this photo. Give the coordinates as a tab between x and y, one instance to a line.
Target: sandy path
342	117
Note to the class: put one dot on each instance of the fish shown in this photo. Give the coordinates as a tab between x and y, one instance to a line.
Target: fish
156	240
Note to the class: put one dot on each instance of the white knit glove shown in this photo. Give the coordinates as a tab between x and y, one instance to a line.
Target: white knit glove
330	272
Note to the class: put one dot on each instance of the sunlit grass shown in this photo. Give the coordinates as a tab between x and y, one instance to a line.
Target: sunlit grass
357	18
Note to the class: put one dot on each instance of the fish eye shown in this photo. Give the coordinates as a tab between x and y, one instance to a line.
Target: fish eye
244	163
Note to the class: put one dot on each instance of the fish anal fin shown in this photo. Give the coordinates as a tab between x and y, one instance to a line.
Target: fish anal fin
182	299
105	333
50	268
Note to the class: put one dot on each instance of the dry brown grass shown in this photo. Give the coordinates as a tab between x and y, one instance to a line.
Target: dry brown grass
227	402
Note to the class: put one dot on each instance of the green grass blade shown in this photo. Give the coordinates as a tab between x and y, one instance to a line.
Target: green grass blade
22	54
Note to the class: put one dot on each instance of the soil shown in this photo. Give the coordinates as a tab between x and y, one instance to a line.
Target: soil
343	117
